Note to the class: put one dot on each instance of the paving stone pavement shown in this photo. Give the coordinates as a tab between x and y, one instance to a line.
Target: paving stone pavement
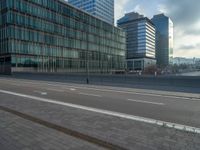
130	134
19	134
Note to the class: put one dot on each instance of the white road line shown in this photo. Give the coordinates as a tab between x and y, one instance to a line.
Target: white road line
110	113
147	102
72	89
167	96
175	98
87	94
15	84
56	90
40	92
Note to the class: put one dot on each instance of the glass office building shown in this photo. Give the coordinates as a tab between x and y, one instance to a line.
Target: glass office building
103	9
164	39
140	41
53	36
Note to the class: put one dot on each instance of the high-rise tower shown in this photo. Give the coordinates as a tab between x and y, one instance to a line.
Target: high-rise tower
140	41
164	39
103	9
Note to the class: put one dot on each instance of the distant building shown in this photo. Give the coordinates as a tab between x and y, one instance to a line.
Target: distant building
140	41
164	39
185	61
103	9
197	63
54	36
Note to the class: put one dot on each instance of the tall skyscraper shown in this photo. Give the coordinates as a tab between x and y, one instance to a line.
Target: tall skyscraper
164	39
103	9
140	40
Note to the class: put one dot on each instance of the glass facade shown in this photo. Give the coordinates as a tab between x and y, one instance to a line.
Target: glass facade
164	39
52	36
103	9
140	39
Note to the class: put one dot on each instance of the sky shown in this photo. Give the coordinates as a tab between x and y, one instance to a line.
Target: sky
185	15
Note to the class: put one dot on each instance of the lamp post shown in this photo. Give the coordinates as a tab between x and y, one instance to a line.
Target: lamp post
87	80
87	62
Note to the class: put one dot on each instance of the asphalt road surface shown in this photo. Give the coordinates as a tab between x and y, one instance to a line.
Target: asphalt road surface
173	108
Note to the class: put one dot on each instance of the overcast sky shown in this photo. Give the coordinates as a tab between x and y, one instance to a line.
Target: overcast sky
185	15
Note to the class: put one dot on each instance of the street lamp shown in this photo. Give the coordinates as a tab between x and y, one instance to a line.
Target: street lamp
87	61
87	80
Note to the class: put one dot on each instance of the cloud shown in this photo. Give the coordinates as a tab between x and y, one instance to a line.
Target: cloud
189	50
186	47
184	12
120	8
188	53
140	9
144	7
194	32
185	15
193	29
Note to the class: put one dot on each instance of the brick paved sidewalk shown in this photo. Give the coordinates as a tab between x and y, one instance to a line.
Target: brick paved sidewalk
19	134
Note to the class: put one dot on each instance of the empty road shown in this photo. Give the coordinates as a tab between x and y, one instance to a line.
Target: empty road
174	108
